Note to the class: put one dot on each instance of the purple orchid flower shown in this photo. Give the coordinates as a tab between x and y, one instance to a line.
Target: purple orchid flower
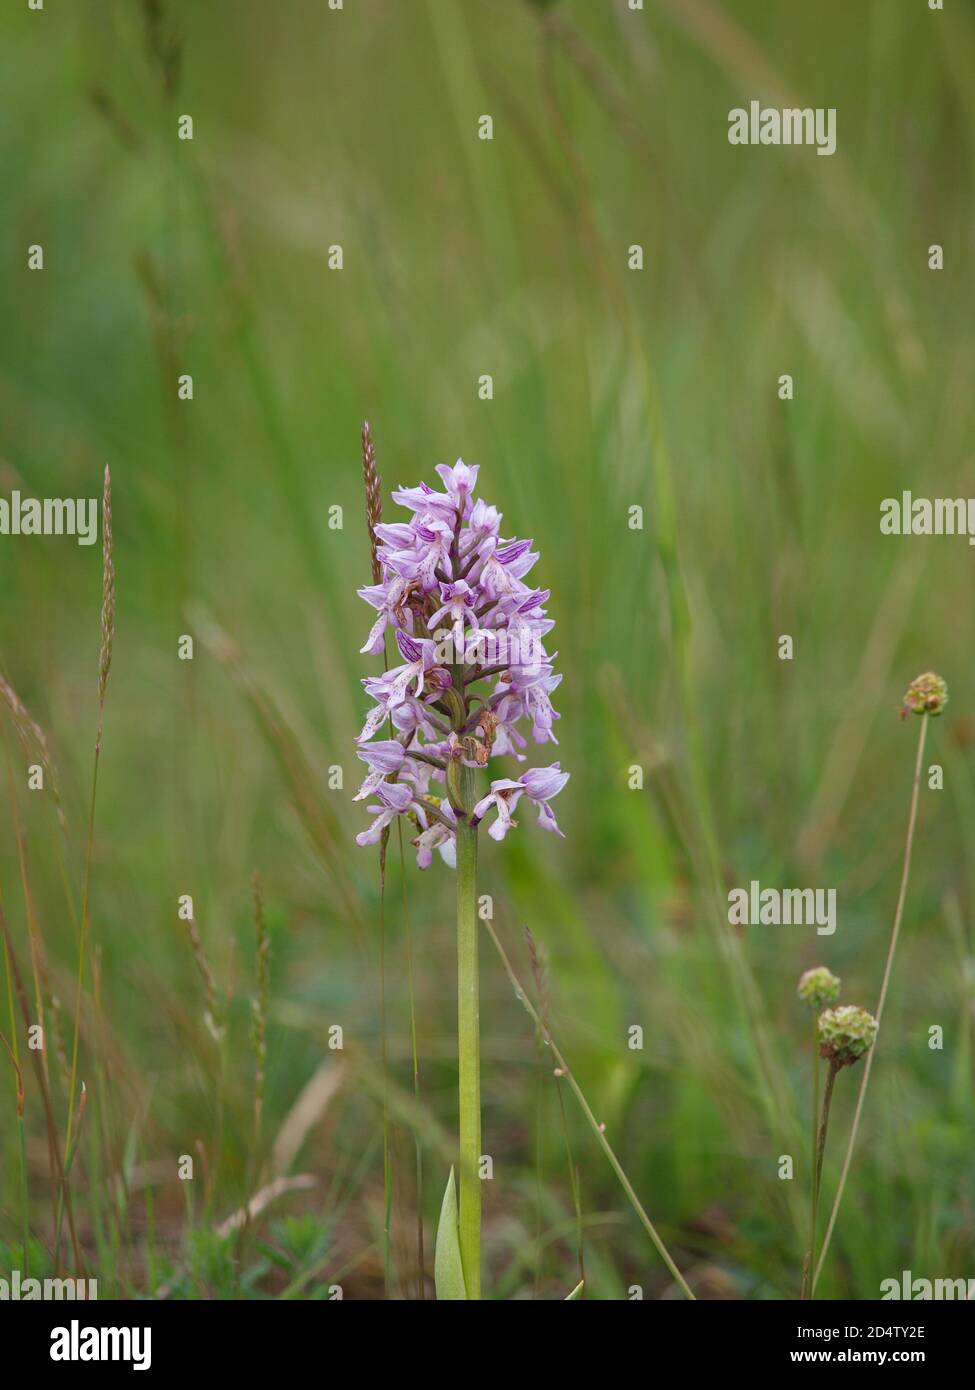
538	784
384	759
444	569
395	799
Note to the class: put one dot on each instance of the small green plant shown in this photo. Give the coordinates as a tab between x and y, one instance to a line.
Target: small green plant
817	988
845	1035
926	696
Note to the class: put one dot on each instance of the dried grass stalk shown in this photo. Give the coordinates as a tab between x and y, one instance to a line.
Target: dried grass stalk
374	499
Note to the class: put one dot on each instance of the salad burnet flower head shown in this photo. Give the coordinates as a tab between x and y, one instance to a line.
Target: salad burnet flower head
818	987
926	694
845	1034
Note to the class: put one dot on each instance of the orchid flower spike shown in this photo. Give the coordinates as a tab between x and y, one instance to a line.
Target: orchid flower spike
475	680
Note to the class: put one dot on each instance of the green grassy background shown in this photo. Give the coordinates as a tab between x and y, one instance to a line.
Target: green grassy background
612	389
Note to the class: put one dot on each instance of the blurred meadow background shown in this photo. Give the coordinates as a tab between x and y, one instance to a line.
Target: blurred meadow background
613	389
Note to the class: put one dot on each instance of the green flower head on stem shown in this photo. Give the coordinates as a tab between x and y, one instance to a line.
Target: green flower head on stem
845	1034
926	694
819	987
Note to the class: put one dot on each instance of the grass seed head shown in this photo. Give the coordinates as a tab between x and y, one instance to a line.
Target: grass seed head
374	499
212	1015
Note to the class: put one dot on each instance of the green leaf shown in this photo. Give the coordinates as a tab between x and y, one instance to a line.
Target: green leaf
448	1272
577	1291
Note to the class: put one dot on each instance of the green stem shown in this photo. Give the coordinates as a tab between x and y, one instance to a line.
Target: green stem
21	1132
384	1043
818	1170
415	1055
468	1047
80	986
815	1117
809	1263
885	984
810	1260
24	1198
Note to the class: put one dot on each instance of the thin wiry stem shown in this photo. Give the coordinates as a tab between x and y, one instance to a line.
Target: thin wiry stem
539	971
415	1057
593	1123
104	667
865	1079
259	1007
818	1164
14	1051
432	811
374	516
811	1252
18	987
22	1148
428	758
384	1049
83	940
468	1045
37	953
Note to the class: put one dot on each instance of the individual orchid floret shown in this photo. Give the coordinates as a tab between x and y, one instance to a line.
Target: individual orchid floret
503	569
541	785
460	482
538	784
388	600
484	523
503	797
457	608
394	687
394	799
439	835
421	560
538	704
384	759
425	501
